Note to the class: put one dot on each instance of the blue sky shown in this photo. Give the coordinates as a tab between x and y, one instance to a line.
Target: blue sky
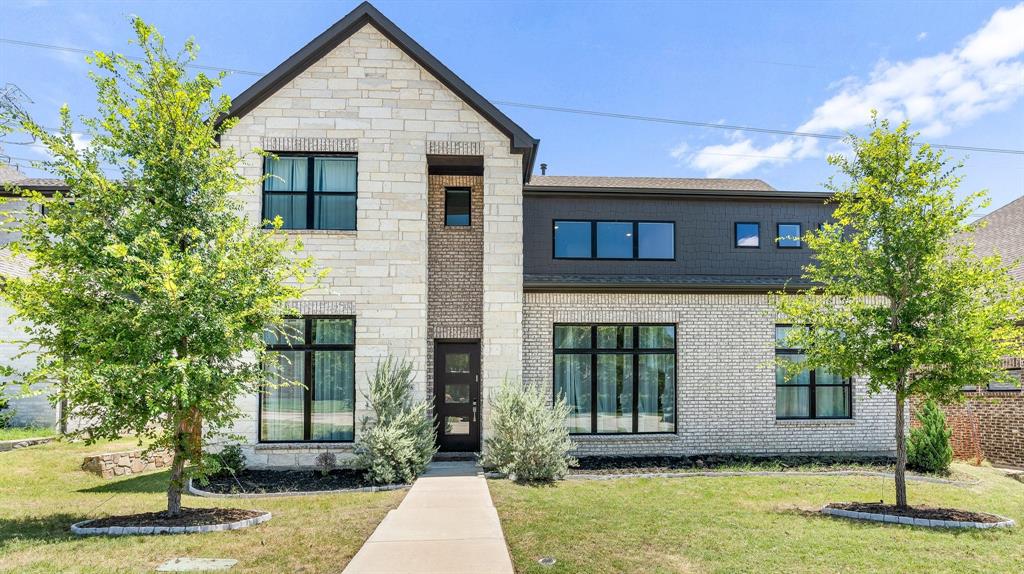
955	68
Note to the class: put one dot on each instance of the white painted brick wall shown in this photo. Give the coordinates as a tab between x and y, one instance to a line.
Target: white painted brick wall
725	377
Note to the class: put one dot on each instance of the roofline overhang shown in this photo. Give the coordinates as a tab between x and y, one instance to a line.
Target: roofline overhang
521	142
813	196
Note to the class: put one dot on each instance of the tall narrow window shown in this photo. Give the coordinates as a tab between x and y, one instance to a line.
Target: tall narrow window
457	206
311	192
748	235
313	371
616	378
811	393
788	235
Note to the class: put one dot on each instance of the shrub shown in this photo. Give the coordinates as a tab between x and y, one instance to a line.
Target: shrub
6	412
397	444
530	441
928	449
229	461
325	462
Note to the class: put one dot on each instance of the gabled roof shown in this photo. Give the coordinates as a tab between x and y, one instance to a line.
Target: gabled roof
364	14
1004	232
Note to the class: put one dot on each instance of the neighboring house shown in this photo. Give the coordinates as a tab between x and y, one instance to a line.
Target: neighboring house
989	423
643	301
33	410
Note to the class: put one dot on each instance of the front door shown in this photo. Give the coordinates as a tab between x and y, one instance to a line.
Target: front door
457	396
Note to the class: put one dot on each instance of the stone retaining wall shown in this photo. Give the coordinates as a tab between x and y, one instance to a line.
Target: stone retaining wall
109	465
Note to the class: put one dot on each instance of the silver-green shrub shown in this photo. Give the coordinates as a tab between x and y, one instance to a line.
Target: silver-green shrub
397	443
529	440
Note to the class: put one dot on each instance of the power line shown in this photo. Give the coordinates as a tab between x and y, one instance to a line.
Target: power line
577	111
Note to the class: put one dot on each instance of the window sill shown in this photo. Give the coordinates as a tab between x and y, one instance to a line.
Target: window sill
335	232
814	422
665	436
266	446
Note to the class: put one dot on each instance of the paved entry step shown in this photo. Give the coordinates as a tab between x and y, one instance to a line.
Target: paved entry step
447	523
456	456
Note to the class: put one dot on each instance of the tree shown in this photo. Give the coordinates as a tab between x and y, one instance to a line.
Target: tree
900	295
929	449
149	292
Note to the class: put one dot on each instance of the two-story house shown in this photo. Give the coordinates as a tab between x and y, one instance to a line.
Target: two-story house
644	302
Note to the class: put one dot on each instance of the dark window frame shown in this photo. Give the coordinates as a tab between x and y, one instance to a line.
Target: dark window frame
736	235
469	206
811	386
308	348
799	236
636	352
593	239
309	193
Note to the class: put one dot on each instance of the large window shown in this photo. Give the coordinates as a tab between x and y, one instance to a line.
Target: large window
318	353
617	378
614	240
812	393
310	192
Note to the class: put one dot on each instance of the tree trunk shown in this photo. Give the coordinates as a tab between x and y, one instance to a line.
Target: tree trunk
177	483
901	453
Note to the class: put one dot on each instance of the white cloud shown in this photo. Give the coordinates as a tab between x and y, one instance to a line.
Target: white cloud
80	140
985	73
922	36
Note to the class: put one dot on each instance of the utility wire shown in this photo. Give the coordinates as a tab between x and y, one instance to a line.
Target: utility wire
577	111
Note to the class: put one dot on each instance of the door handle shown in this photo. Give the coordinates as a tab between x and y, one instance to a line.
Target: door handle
474	411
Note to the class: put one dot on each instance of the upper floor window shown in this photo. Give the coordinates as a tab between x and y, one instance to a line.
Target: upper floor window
748	235
788	235
457	202
811	393
614	240
311	192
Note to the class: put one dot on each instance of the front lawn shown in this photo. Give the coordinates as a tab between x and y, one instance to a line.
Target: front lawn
16	433
751	524
42	491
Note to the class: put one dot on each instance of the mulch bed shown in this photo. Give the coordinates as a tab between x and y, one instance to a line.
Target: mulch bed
274	481
188	517
662	464
925	512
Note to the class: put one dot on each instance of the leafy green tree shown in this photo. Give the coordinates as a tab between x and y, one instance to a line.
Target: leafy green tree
901	297
149	291
928	449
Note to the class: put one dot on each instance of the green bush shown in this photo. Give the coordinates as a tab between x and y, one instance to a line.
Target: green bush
928	449
397	444
6	412
228	462
529	441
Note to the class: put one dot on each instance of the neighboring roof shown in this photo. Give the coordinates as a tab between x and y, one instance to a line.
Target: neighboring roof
364	14
672	183
676	282
1004	232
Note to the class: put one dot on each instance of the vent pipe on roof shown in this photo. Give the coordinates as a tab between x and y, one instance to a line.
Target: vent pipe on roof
543	169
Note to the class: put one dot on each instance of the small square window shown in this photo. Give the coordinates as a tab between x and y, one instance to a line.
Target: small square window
572	240
748	235
789	235
456	207
614	240
656	240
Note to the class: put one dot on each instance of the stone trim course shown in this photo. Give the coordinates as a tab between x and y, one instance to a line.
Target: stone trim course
81	528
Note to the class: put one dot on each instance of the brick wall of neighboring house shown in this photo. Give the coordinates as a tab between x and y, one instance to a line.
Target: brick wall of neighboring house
725	390
987	425
455	265
368	97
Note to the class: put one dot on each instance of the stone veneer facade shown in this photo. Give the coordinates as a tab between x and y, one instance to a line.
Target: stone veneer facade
725	377
368	97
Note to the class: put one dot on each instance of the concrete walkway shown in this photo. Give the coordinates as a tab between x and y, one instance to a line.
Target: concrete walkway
447	523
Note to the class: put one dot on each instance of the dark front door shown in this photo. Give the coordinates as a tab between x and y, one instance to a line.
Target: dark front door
457	396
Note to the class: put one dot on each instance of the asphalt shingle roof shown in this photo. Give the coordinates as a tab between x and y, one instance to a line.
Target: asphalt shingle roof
673	183
1004	233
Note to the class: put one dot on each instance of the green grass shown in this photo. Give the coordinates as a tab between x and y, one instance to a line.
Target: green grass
43	491
751	524
12	433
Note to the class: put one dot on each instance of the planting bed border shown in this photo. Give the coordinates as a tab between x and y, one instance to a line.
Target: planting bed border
191	489
910	521
81	528
740	473
20	443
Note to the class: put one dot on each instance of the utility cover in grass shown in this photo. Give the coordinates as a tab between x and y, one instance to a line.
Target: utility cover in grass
196	564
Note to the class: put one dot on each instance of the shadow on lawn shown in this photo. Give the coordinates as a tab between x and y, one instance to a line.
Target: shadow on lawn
146	483
52	528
